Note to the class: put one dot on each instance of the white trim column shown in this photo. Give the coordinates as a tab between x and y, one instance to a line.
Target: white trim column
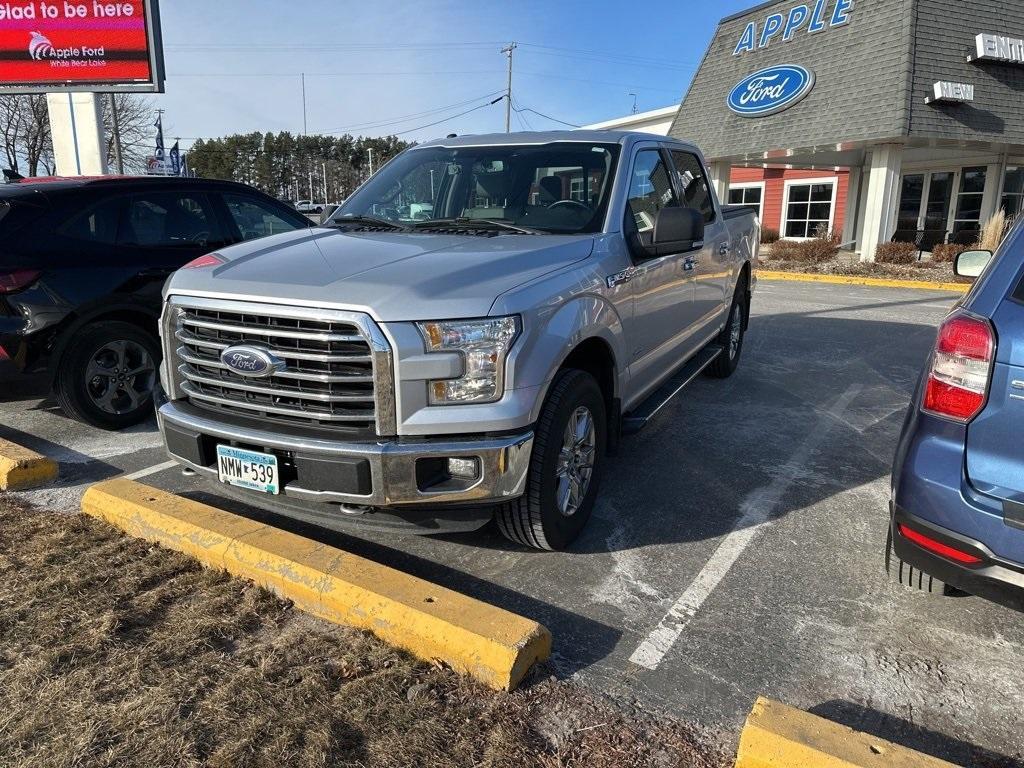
720	174
883	189
851	223
76	125
993	186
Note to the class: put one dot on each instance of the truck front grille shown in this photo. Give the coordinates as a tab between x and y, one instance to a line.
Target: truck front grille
334	364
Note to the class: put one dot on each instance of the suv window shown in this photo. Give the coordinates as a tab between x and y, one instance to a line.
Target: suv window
255	218
96	225
694	184
168	220
650	190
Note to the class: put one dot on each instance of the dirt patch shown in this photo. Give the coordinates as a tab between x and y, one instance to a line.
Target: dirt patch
927	271
116	652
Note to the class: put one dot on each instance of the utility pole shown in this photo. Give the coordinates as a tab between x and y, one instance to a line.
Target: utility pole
305	127
326	198
507	50
634	102
118	160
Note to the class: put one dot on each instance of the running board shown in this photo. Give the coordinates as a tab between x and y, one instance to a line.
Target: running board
637	419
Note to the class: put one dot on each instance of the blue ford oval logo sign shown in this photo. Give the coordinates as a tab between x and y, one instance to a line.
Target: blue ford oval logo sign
771	90
251	361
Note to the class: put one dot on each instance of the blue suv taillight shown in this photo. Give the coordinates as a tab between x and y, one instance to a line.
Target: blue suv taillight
961	368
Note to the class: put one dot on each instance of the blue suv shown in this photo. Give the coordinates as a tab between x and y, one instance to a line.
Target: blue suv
957	505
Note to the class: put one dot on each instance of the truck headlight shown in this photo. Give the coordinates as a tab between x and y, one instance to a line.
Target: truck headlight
484	346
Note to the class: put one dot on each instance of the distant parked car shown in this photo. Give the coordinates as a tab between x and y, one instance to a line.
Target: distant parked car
957	508
81	269
308	206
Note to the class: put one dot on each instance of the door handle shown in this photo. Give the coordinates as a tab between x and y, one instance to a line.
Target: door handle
723	249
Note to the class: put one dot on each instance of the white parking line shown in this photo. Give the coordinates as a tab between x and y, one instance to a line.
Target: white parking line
151	470
756	507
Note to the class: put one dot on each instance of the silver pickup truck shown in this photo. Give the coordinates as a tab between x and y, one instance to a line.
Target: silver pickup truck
465	339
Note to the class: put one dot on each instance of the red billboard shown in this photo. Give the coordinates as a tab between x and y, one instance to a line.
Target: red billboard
80	45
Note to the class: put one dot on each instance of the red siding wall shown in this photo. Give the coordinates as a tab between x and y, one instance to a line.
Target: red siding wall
774	189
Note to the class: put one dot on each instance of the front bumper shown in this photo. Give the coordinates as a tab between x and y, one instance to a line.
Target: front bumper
995	579
346	479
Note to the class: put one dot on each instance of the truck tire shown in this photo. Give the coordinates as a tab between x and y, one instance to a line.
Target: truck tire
107	376
911	577
731	337
565	468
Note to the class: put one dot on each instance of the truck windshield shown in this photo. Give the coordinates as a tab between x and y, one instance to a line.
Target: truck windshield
559	188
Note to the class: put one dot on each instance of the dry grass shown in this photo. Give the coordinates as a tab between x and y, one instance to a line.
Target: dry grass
117	653
993	232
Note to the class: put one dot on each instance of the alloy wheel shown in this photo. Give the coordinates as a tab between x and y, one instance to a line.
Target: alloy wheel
576	461
120	376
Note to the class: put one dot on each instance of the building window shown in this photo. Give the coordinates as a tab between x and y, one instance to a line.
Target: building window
748	195
967	224
809	207
1013	192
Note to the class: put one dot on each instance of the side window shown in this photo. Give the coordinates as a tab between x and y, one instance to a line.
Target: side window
96	225
168	220
650	190
254	218
694	184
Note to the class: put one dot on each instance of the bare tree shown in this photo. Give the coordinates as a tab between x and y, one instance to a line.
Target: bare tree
11	128
37	142
135	119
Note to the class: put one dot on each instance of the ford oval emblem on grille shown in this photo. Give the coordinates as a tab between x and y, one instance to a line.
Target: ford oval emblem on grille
251	361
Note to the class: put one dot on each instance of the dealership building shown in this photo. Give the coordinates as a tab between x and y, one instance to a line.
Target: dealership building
874	119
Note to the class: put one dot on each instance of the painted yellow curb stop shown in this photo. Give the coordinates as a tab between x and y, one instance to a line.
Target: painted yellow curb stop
879	282
778	736
21	468
491	644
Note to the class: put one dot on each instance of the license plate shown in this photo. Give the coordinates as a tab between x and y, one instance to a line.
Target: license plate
247	469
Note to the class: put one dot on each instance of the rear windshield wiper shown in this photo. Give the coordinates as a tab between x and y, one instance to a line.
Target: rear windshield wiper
468	223
367	221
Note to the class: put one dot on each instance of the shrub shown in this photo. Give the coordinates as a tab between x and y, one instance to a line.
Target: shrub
896	253
993	232
769	236
946	253
814	251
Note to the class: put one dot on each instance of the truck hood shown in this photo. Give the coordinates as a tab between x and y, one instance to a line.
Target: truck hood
392	276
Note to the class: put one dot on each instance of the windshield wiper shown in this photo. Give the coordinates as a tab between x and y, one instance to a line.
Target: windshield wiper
367	221
468	223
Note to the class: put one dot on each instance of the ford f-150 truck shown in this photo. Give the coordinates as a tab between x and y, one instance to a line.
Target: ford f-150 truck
476	360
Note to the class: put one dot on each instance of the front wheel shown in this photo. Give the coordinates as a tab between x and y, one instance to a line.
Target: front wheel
107	376
565	468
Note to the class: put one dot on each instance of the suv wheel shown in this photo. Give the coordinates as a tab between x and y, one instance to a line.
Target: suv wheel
107	376
731	337
565	468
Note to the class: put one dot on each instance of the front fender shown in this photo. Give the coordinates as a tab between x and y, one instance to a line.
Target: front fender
551	335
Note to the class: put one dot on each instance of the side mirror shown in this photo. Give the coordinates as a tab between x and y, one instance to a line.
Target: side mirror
678	226
675	230
971	263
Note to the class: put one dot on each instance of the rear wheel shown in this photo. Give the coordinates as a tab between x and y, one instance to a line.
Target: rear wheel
107	376
731	337
565	468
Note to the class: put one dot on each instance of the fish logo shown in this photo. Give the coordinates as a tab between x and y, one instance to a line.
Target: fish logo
40	47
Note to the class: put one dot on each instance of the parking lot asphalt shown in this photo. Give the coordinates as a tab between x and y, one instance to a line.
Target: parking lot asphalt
737	548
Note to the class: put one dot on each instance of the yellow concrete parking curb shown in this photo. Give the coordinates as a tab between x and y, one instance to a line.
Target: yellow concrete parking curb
778	736
491	644
801	277
21	469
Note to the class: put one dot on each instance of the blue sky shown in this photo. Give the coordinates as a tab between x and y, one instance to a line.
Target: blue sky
233	65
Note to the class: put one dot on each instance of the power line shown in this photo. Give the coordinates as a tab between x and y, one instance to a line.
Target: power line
412	116
451	117
547	117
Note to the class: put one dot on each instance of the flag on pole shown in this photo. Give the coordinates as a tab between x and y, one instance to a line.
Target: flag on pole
159	125
184	166
175	160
